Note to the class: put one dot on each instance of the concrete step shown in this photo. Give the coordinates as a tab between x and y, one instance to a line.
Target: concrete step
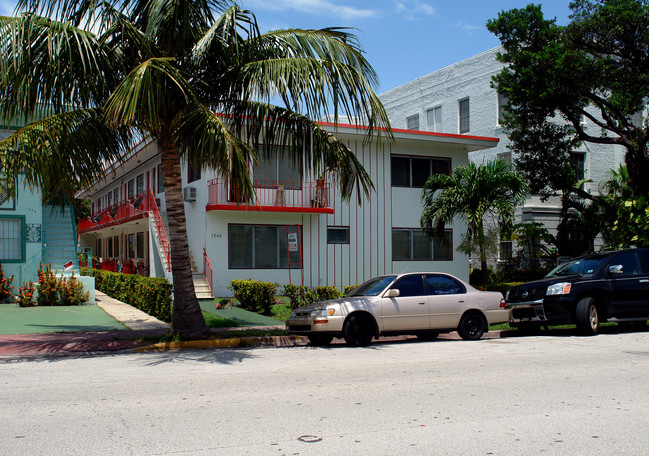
201	287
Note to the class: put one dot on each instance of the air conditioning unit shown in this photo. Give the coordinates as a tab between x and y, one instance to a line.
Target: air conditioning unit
189	194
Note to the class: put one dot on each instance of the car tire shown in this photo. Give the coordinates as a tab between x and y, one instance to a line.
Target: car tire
428	336
358	331
320	340
472	326
587	317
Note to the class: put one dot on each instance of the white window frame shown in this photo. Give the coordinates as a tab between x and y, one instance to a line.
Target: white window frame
432	114
460	117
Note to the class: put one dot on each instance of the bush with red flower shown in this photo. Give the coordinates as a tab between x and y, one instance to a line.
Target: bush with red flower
26	295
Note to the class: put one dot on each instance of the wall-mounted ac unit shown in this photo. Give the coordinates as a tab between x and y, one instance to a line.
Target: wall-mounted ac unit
189	194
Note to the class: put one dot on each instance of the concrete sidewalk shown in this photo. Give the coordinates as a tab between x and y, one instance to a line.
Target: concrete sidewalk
130	316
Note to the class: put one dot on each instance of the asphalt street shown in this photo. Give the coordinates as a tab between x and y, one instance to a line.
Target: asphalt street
547	395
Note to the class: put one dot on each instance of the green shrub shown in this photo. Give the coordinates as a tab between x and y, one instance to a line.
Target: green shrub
254	295
26	295
299	295
48	287
71	292
5	285
149	294
349	288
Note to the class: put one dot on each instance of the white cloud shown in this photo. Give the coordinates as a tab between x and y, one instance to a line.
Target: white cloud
314	7
412	10
468	27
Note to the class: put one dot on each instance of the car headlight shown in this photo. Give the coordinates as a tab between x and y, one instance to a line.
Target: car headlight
321	313
560	288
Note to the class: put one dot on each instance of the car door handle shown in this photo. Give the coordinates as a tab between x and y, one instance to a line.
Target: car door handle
460	300
421	303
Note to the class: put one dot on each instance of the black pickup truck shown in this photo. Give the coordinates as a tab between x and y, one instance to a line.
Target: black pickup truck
605	286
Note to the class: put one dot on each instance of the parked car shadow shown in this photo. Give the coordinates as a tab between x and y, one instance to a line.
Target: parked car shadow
611	328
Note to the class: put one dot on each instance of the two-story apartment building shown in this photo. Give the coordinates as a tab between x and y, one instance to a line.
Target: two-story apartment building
459	99
298	230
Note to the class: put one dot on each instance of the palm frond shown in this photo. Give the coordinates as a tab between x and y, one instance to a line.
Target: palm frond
150	96
51	62
63	151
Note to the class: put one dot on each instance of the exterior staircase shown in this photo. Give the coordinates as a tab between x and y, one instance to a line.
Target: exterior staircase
59	238
201	286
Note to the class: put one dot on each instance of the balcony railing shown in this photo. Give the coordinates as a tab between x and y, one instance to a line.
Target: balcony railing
277	196
134	208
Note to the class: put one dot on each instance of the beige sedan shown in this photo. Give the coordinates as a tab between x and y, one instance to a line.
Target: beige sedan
425	304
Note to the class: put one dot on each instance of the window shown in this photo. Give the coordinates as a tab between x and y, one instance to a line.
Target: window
415	245
276	169
434	119
109	247
505	156
415	171
161	182
259	247
139	184
140	245
116	195
338	235
579	164
443	285
412	285
98	251
109	200
463	107
502	107
506	250
193	174
98	205
130	189
412	122
12	239
131	246
116	246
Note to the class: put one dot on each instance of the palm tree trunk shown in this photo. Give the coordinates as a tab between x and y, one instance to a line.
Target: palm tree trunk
484	272
187	318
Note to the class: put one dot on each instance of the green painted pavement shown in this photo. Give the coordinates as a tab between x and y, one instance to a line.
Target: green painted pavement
239	315
55	319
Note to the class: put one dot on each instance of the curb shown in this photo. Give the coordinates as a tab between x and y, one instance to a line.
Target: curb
234	342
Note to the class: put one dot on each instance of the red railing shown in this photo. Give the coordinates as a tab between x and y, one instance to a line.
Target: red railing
134	208
271	195
207	270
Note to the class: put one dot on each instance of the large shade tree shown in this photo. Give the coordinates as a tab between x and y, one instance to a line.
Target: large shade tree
198	77
472	193
594	69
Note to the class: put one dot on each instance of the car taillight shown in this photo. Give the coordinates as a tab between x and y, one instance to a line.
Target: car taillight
502	303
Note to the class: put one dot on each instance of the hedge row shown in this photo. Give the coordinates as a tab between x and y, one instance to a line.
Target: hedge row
149	294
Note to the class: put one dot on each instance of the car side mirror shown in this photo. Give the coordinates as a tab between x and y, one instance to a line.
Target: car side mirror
616	269
392	293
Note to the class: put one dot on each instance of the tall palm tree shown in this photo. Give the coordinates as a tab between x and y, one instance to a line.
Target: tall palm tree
472	193
197	76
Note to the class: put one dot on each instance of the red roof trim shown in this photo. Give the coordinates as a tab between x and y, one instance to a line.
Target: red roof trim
414	132
243	207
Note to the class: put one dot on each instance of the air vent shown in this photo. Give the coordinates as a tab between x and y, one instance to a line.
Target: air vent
189	194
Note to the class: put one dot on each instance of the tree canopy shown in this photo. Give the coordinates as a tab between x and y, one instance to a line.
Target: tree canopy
596	68
472	193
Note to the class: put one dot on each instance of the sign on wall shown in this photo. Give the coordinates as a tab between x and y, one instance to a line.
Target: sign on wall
33	233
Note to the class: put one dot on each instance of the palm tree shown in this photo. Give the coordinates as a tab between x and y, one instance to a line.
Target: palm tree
471	193
198	77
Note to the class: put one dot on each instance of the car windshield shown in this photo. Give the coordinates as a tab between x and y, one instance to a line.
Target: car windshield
373	286
581	266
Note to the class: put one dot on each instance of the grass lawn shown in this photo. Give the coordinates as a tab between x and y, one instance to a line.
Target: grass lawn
55	319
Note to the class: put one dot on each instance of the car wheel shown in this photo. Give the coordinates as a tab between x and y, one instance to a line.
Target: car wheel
427	336
472	326
319	340
358	331
587	317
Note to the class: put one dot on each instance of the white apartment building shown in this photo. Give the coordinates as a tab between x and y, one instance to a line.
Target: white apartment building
298	230
459	99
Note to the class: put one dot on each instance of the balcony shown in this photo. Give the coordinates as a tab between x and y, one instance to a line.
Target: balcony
133	208
271	196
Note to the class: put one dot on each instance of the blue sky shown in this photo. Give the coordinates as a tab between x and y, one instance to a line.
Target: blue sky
403	39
